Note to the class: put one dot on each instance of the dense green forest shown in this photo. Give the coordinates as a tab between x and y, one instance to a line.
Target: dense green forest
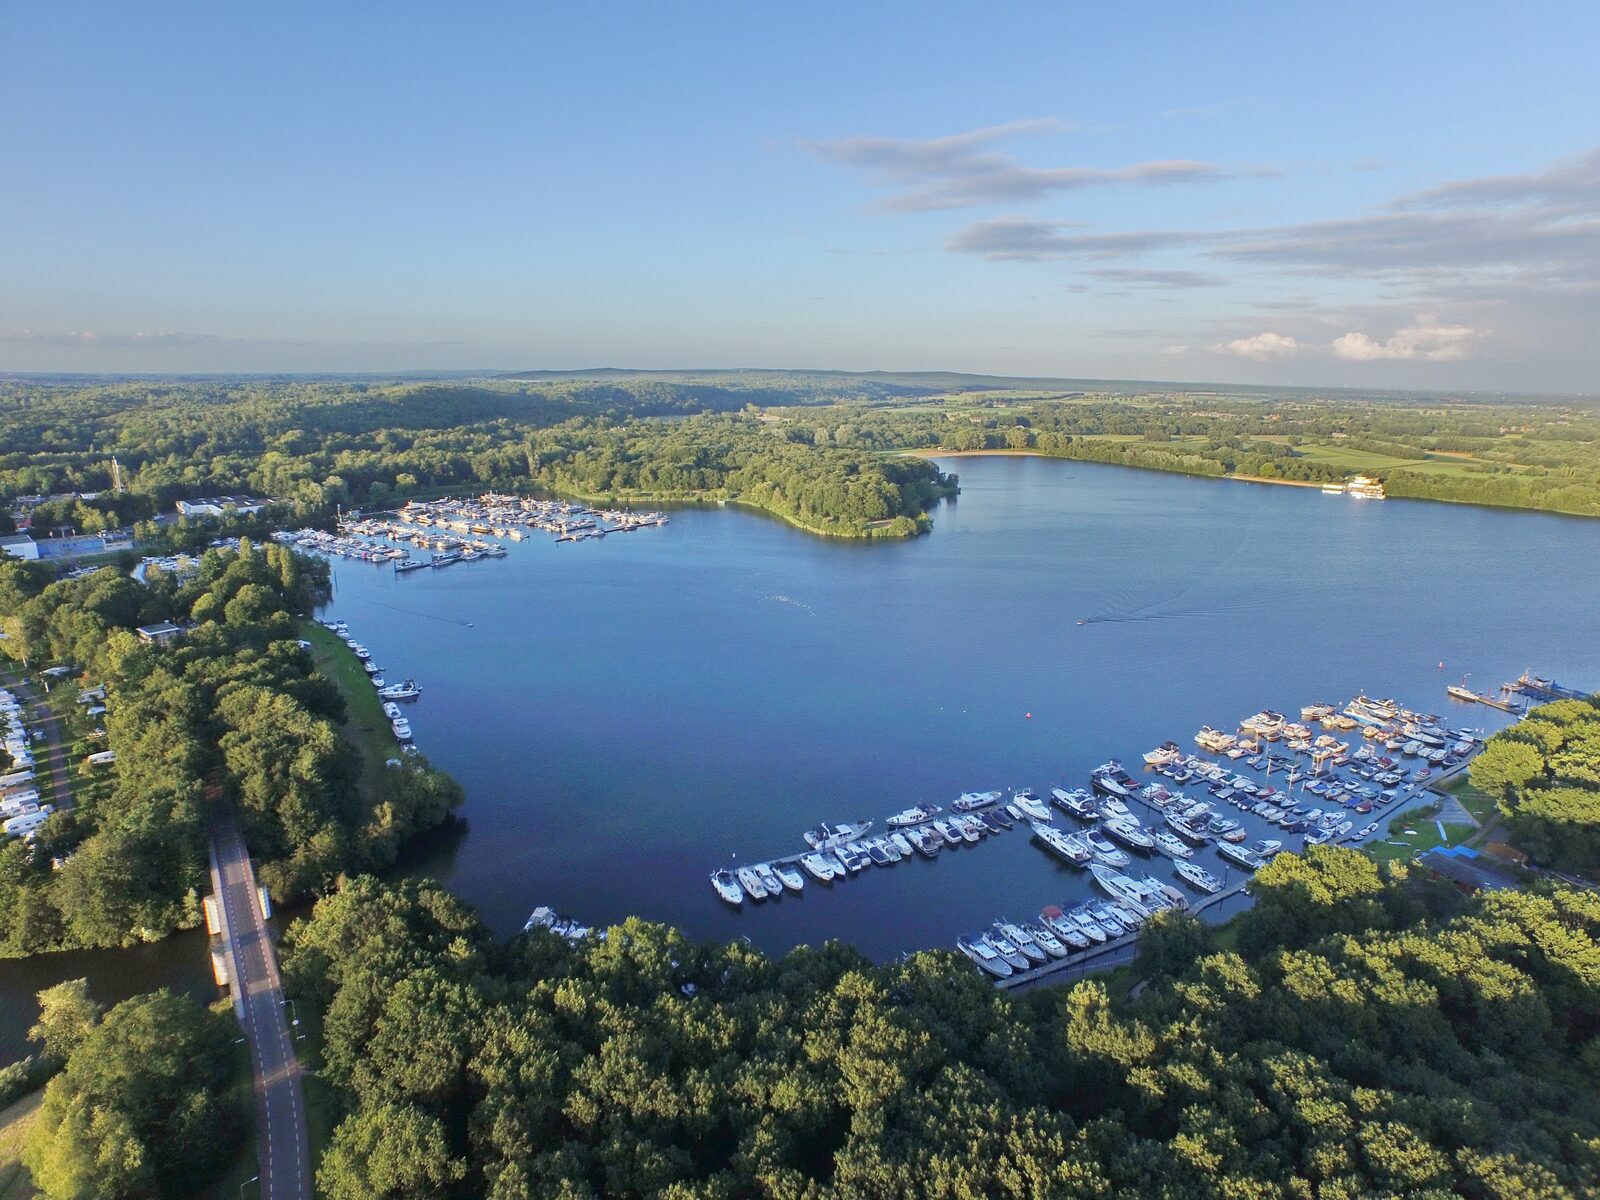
234	700
1545	773
142	1105
1371	1034
315	446
813	448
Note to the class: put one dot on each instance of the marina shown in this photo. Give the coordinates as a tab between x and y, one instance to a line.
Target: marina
1324	783
462	531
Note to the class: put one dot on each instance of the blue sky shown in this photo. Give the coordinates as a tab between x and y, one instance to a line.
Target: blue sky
1364	194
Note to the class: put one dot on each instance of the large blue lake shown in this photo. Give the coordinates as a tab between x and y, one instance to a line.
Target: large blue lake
628	714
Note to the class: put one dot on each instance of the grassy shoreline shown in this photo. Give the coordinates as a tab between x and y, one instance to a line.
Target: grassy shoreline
365	727
933	452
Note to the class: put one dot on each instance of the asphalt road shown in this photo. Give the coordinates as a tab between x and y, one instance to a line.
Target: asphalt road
283	1148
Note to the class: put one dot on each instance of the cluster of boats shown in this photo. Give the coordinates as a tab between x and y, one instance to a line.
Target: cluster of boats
1333	774
389	693
512	516
1008	947
354	542
339	545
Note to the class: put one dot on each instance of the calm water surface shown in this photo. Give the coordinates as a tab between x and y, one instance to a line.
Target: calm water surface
628	714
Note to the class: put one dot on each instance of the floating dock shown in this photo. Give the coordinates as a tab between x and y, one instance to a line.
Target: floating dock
1530	684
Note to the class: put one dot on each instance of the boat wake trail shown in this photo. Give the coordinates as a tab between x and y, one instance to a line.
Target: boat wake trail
800	604
1125	606
415	612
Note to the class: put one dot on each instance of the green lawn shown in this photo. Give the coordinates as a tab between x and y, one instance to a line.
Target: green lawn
1480	804
1401	846
365	727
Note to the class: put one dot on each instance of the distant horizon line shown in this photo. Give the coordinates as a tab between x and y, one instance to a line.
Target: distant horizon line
536	373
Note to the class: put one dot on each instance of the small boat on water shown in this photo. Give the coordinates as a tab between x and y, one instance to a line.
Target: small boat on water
406	690
1030	805
1111	780
1022	940
1167	752
1184	830
751	883
1265	848
1164	894
914	816
401	728
547	919
1091	928
1077	803
727	886
817	867
1198	877
1104	851
1240	855
1170	845
1069	847
1130	833
789	877
1115	884
978	949
1064	927
971	801
1004	948
1047	941
901	843
826	836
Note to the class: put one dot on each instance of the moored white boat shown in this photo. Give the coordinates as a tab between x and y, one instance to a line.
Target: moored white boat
751	883
1070	848
1171	845
1129	832
970	801
1198	877
727	887
978	949
1239	855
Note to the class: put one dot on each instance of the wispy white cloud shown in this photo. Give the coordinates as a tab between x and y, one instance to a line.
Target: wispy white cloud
1022	239
965	170
1157	279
